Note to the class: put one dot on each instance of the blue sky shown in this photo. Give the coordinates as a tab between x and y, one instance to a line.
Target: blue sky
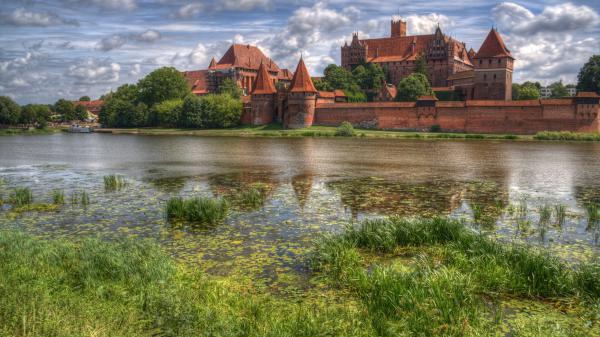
67	48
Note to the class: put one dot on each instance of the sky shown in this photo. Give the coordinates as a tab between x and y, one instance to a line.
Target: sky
51	49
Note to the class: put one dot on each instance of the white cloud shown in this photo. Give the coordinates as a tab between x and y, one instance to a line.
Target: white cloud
189	11
23	17
565	17
194	8
93	71
111	42
136	70
149	35
426	24
126	5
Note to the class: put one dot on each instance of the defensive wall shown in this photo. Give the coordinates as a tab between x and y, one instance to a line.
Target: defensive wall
516	117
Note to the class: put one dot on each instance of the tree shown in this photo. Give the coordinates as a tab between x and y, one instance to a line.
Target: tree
10	111
412	87
28	114
117	112
588	78
35	113
528	92
229	86
166	113
81	112
421	65
338	77
368	77
538	85
322	85
558	90
66	109
221	111
161	85
191	113
84	99
516	87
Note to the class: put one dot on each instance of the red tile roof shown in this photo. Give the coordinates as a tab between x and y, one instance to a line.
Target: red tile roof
493	46
263	83
197	81
427	98
391	90
246	56
301	82
213	63
326	94
339	93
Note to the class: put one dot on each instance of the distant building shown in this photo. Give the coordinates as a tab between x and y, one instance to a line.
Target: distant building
240	63
486	74
92	107
546	92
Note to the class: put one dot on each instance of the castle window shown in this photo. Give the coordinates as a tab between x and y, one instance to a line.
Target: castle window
494	76
490	61
484	76
499	61
480	61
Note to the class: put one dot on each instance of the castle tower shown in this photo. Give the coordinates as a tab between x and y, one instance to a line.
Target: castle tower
398	28
262	99
493	69
302	98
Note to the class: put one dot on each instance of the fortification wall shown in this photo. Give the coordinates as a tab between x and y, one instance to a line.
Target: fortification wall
518	117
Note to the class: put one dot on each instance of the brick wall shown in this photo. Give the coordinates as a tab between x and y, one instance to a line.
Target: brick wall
518	117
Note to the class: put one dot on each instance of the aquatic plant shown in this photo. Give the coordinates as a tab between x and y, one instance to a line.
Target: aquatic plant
114	182
201	210
21	196
345	130
545	214
132	288
560	214
85	198
58	197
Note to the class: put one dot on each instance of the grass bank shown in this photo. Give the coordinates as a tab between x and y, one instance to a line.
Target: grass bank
31	131
392	277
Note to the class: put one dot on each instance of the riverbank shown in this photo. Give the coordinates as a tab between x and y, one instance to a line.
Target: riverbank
30	131
384	278
276	130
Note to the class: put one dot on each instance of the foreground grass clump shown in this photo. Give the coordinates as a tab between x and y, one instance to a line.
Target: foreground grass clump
21	196
567	135
131	288
114	182
345	130
58	197
202	210
447	287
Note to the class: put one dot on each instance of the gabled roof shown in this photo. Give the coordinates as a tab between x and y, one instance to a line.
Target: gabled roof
197	81
263	85
213	63
493	46
246	56
301	82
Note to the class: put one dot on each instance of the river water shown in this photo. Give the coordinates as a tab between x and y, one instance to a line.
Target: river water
313	186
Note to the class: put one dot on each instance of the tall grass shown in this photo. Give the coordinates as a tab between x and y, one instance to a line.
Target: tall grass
21	196
560	214
131	288
200	210
251	197
567	135
58	197
80	198
114	182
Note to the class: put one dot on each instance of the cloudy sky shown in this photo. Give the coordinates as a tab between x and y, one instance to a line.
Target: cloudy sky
67	48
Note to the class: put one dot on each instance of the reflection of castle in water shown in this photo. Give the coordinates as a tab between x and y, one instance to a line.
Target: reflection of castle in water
386	197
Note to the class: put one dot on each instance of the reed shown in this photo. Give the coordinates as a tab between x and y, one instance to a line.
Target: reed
85	198
114	182
21	196
199	210
545	214
560	214
593	215
58	197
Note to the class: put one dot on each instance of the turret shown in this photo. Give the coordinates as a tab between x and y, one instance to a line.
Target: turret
493	69
302	98
398	28
263	97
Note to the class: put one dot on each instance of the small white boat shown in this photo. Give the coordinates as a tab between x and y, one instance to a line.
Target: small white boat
75	128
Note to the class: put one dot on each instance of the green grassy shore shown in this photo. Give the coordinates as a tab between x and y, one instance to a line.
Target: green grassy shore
275	130
31	131
389	277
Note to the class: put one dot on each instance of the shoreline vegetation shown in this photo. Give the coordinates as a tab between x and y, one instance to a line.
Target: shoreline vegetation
275	130
383	277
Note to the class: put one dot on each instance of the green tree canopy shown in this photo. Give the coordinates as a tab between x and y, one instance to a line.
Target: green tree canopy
35	113
84	99
322	85
369	77
229	86
221	111
588	78
412	87
10	112
528	92
558	90
338	77
166	113
81	113
191	113
66	109
163	84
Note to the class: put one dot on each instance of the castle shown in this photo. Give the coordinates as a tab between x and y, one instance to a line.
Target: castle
486	74
483	78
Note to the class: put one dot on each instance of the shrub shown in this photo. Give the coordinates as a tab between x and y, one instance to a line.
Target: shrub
435	128
200	210
166	113
345	130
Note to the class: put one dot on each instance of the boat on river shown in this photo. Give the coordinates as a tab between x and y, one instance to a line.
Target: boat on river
76	128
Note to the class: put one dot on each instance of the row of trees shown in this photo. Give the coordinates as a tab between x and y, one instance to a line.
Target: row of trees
359	84
532	90
39	114
164	99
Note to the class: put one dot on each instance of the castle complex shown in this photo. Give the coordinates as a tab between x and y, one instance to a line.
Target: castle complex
483	80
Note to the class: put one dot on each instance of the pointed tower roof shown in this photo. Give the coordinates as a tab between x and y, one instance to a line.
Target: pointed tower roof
213	63
301	82
263	84
493	46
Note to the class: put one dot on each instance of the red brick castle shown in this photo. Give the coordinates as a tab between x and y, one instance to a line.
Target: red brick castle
486	74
